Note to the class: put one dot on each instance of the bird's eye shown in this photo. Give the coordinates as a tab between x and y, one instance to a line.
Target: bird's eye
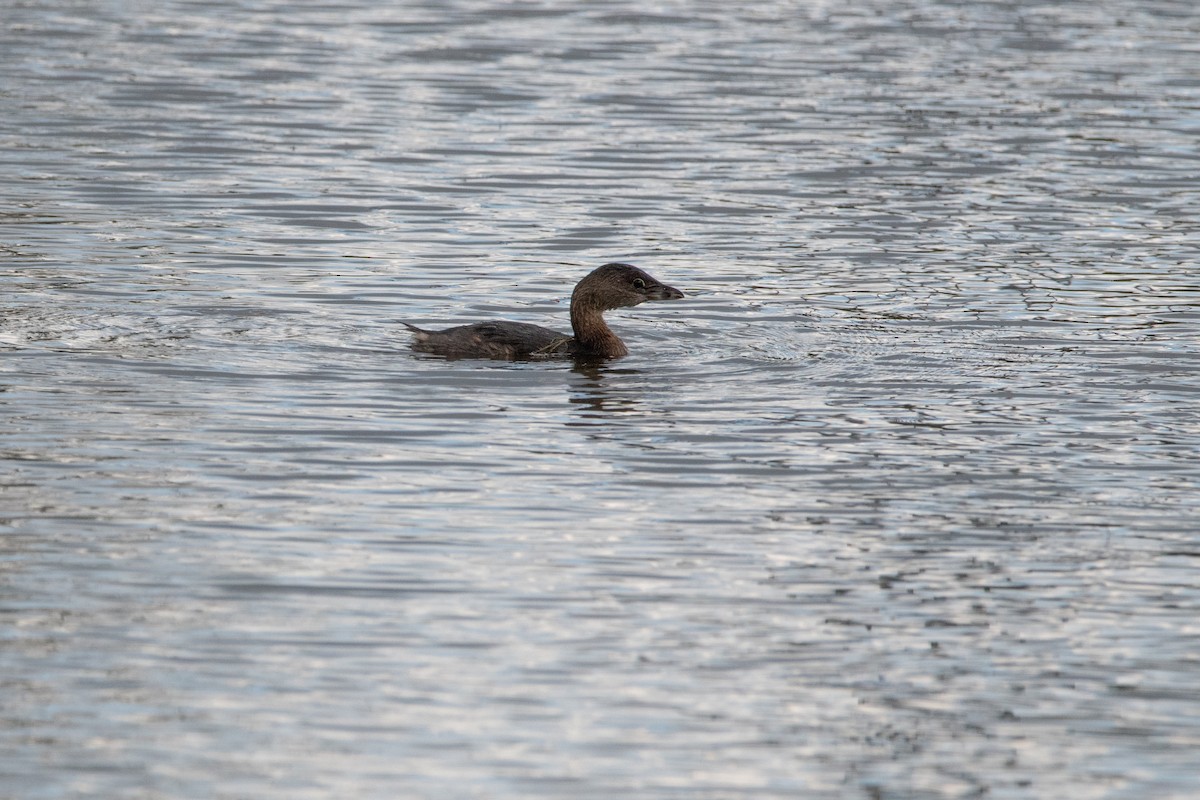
638	283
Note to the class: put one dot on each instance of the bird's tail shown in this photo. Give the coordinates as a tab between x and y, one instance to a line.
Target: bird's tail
422	335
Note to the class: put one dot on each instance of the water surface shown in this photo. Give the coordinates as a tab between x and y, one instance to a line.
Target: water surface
900	502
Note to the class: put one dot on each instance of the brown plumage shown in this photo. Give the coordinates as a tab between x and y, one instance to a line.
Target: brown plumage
608	287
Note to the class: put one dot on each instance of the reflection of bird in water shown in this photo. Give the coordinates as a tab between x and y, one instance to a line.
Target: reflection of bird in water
593	397
608	287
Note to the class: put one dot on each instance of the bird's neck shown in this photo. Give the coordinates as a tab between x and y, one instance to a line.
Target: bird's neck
592	333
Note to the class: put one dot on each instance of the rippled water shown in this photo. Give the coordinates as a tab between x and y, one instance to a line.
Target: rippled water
901	502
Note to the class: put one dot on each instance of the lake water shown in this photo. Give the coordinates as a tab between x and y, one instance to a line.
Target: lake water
901	502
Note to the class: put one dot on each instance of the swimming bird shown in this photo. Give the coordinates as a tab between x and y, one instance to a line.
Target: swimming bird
603	289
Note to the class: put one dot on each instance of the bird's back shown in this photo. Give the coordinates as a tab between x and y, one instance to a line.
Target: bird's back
495	339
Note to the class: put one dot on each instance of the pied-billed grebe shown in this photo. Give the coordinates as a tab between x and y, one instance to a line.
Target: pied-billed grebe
608	287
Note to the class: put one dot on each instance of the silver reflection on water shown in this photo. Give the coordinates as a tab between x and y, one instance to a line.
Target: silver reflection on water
898	502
